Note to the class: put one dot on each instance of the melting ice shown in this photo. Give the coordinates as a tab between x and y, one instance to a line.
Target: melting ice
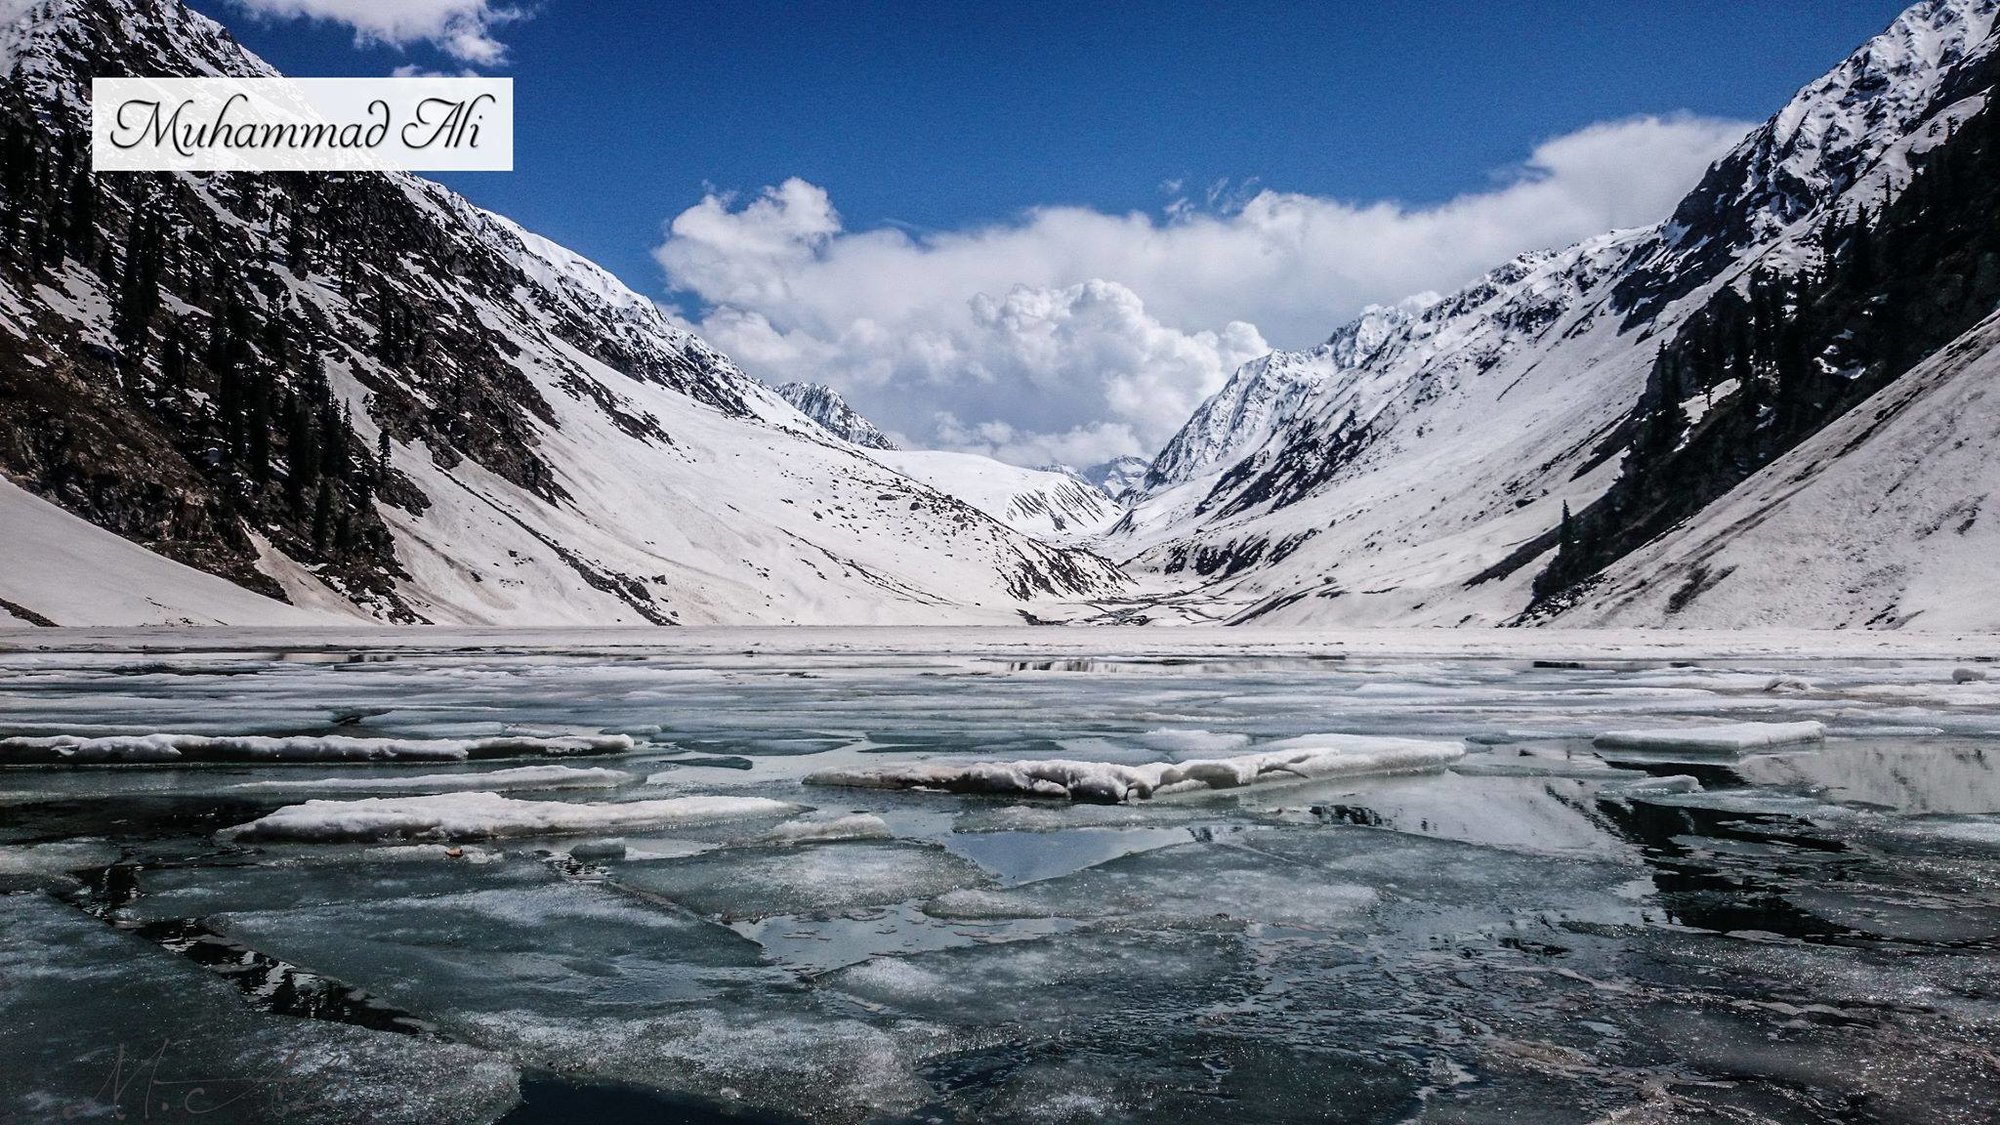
872	882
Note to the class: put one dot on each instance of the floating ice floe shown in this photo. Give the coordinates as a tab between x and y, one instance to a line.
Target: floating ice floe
806	830
1984	831
432	853
520	777
300	748
1652	786
1311	756
471	816
1727	738
35	862
1192	741
593	850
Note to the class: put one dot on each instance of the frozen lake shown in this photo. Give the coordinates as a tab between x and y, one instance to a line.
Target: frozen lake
1033	876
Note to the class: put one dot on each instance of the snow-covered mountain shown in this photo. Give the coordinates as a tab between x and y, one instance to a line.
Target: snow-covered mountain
831	413
1121	478
68	569
361	393
1264	394
1884	519
285	398
1050	506
1498	449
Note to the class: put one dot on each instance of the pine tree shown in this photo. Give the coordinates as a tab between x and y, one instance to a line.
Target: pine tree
173	357
322	520
81	222
138	287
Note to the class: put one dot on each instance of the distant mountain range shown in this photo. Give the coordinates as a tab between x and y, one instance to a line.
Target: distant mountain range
295	398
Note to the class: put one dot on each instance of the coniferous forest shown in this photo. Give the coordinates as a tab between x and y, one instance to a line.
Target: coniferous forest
1763	367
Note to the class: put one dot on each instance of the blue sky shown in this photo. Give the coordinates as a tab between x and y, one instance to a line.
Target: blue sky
966	121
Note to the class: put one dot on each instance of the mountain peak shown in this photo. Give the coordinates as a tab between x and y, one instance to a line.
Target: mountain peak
1121	478
1570	404
1832	134
830	412
53	48
1262	394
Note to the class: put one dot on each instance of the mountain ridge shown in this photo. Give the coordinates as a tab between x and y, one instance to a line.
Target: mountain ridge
364	387
830	412
1436	481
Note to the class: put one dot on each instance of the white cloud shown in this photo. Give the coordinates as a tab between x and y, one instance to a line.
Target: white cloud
462	29
1098	333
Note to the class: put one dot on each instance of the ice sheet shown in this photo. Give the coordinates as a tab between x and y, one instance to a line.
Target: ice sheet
1517	930
477	816
1312	756
160	748
97	1024
742	883
807	830
1725	738
1193	885
520	777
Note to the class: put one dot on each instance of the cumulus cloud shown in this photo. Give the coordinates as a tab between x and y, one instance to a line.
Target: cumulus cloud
1096	334
462	29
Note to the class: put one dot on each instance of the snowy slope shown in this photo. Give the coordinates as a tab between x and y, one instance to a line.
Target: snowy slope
557	451
1393	484
58	569
1048	505
1887	518
1832	135
831	413
1424	482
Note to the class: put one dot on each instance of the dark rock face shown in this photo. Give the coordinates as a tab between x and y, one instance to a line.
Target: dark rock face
208	419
